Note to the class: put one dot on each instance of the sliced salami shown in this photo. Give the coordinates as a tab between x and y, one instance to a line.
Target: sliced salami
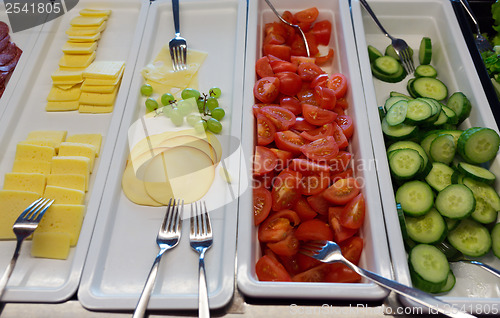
4	29
12	64
8	53
4	42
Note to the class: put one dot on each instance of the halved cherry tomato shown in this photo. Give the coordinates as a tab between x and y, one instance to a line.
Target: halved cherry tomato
319	203
352	249
289	141
342	191
265	130
340	273
306	95
298	47
290	215
284	158
338	83
342	103
304	165
265	180
282	118
346	124
305	262
317	133
339	110
315	183
339	136
274	230
286	190
322	30
279	50
264	160
325	97
319	80
340	233
291	103
286	247
340	163
307	16
314	230
288	16
262	202
297	60
279	66
354	213
341	175
322	149
302	125
256	107
305	26
267	89
304	210
317	116
321	60
263	68
290	83
309	71
290	263
314	275
270	270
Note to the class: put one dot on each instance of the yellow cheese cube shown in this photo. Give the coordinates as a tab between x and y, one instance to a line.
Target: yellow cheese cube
62	195
82	21
34	182
54	245
93	139
55	136
64	95
79	48
70	181
32	166
13	203
65	218
104	69
67	77
62	106
95	12
78	149
84	38
98	99
97	88
91	109
76	60
34	152
72	165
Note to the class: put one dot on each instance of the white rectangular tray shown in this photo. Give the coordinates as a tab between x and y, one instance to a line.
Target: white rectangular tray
45	280
476	290
124	243
375	255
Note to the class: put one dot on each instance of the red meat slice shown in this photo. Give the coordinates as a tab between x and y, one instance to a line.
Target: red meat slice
4	42
12	64
4	30
8	54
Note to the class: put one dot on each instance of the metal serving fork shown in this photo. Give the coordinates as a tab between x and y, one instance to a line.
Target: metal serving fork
178	45
292	25
168	237
201	240
481	42
400	46
24	226
329	252
453	255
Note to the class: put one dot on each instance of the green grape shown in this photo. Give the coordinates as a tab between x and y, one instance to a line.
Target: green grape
176	117
218	113
167	111
151	104
192	119
199	126
184	108
190	92
205	125
167	98
215	92
212	103
146	90
214	125
201	104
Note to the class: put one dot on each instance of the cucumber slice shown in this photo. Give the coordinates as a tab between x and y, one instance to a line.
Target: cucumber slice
397	113
483	190
450	114
405	144
410	89
394	93
429	228
425	71
387	65
454	132
405	164
393	78
456	201
425	51
460	105
418	111
440	176
429	87
451	224
441	120
483	213
373	53
457	178
390	51
450	283
429	268
476	172
398	132
478	144
443	149
427	140
393	100
416	197
470	238
495	240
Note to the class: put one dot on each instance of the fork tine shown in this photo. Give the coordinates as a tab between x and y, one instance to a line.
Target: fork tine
208	226
30	208
43	208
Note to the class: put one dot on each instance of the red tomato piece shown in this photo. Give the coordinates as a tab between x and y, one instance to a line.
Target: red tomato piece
303	125
275	28
291	103
341	175
342	191
309	71
340	163
354	213
274	38
315	183
262	202
279	66
321	60
346	124
305	26
325	97
286	190
282	118
256	107
319	203
317	133
297	60
290	215
306	95
265	180
288	16
274	230
338	82
317	116
314	230
284	158
322	30
342	103
340	273
265	130
340	233
290	83
304	210
305	262
339	136
286	247
304	165
322	149
319	80
314	275
289	141
279	50
263	68
307	16
271	270
264	160
352	249
267	89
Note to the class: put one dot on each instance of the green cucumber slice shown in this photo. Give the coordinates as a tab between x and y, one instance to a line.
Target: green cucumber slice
425	51
390	51
398	132
495	240
418	110
440	176
443	149
478	144
397	113
425	71
484	212
429	268
429	228
476	172
393	78
484	191
373	53
470	238
387	65
456	201
450	283
394	93
429	87
406	144
460	105
416	197
405	164
452	116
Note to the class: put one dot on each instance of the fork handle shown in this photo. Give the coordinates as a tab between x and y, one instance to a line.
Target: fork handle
374	17
487	267
175	11
414	294
203	307
142	305
9	269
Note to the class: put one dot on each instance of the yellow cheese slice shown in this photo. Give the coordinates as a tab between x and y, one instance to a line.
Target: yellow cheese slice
34	182
63	95
77	60
78	31
41	142
66	218
13	203
62	106
84	38
64	195
31	166
97	88
62	76
79	48
98	99
72	165
78	149
34	152
54	245
95	12
91	109
93	139
110	70
53	136
65	86
83	21
66	180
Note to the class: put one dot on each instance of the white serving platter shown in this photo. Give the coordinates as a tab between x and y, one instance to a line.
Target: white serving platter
375	255
476	290
124	243
45	280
